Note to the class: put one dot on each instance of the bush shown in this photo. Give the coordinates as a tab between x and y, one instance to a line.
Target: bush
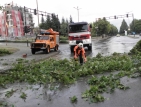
63	38
136	49
4	51
63	41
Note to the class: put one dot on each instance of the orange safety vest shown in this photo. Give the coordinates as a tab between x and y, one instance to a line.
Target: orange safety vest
78	51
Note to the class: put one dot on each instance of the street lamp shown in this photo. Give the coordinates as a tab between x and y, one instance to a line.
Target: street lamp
77	11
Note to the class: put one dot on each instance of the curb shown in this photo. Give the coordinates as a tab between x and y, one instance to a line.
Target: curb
132	36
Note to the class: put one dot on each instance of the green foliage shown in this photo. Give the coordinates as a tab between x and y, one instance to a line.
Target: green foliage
4	52
102	26
71	20
63	39
64	26
1	7
98	55
113	30
99	85
136	26
51	22
136	49
59	70
115	53
9	93
73	99
68	71
123	27
23	95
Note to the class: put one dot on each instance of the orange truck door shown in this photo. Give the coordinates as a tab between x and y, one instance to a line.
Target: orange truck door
51	42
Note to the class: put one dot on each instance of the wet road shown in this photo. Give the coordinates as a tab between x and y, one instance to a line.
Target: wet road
43	97
122	44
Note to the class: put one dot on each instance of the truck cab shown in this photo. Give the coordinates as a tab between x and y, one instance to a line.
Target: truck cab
47	40
79	32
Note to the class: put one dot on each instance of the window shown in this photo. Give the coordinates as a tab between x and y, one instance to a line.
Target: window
78	28
51	39
42	37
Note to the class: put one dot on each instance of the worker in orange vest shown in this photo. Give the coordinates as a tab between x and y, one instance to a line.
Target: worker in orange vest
79	51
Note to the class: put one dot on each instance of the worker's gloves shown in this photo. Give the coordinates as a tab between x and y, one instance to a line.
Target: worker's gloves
75	57
85	59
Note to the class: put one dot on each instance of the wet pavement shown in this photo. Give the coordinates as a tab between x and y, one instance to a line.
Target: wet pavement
106	46
6	61
60	97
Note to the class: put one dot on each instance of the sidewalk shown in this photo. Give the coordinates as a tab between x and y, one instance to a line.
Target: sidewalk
134	36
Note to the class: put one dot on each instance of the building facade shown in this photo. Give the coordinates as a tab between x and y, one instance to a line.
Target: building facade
13	19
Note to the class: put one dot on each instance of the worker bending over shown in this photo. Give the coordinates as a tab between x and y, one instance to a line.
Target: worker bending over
79	51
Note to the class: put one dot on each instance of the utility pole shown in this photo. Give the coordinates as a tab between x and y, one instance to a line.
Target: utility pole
77	11
37	11
25	27
24	19
133	24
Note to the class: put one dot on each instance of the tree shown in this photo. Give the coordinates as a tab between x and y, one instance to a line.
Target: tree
48	22
64	25
94	29
42	19
70	21
1	7
123	27
42	25
103	26
135	26
113	30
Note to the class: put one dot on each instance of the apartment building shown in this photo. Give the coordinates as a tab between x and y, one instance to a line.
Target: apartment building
13	19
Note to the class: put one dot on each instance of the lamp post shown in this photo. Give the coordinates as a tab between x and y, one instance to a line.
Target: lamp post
133	24
133	30
37	12
128	31
77	11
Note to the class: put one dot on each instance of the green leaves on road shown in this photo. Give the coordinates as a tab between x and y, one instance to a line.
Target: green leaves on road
68	71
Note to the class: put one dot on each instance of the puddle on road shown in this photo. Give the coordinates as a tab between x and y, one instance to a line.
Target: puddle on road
52	95
39	96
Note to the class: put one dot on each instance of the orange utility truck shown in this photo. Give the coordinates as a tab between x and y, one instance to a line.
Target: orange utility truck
47	40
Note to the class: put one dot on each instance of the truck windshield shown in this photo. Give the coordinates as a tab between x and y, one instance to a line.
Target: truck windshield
42	37
78	28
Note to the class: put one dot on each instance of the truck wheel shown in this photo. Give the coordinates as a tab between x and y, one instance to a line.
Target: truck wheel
56	48
47	50
90	48
72	49
33	51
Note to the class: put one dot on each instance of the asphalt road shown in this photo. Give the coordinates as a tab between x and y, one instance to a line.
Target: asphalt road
60	98
6	61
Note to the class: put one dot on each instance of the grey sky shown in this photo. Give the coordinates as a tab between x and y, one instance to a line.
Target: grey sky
89	9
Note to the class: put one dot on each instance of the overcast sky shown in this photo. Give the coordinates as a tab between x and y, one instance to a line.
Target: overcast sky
89	10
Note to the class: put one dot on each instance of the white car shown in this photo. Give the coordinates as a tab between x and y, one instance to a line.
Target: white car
118	35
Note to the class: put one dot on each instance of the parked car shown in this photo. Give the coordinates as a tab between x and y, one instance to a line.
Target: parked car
118	35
